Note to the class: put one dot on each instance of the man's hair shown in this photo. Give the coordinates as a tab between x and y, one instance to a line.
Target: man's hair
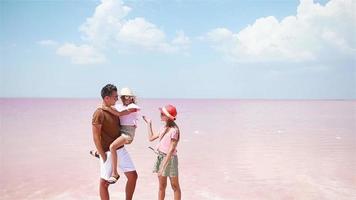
108	90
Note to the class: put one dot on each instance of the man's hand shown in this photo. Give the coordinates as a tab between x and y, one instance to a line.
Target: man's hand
103	157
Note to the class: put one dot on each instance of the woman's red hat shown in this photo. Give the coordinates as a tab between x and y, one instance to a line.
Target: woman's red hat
170	111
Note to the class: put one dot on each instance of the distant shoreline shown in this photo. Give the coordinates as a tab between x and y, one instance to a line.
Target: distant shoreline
182	99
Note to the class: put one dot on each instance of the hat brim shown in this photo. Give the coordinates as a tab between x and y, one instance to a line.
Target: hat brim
167	115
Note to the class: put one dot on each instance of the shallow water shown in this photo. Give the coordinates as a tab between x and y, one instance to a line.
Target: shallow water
229	149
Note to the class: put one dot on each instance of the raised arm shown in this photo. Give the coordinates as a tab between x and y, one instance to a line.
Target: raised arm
151	135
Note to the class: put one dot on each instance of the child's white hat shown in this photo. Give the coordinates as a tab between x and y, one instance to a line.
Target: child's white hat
126	92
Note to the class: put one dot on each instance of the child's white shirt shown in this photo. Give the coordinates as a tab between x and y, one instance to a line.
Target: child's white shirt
130	119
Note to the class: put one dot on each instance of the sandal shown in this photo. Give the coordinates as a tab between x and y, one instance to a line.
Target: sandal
113	179
94	153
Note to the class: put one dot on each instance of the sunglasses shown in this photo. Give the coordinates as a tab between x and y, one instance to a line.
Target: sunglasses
127	97
116	96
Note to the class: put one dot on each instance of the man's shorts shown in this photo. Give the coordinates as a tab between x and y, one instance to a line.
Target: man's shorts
125	163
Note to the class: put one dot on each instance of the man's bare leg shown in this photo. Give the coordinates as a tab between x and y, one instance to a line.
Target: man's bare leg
130	184
104	189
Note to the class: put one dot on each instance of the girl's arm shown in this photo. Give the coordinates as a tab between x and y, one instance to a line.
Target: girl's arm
117	113
167	158
151	135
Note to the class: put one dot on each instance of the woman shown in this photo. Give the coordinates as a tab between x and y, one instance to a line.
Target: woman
167	160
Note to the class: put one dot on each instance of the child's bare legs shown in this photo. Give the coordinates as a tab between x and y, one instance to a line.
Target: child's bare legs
113	147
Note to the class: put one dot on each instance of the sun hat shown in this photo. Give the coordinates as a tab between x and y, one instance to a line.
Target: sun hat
126	92
170	111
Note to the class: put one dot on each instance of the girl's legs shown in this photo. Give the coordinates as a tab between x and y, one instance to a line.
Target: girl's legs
175	187
113	147
162	187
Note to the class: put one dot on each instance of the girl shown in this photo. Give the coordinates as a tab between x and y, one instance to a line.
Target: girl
128	114
167	161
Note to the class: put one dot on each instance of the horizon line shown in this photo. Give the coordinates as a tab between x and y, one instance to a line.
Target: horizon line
192	98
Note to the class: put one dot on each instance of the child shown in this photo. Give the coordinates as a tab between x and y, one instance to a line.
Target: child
167	160
128	114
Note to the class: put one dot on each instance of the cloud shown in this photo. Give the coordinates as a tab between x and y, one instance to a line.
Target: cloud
109	29
139	32
181	39
313	34
81	54
105	23
48	43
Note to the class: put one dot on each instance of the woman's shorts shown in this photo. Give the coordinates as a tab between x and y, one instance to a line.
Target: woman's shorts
128	132
172	167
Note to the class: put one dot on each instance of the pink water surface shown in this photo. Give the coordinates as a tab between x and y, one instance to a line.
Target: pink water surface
229	150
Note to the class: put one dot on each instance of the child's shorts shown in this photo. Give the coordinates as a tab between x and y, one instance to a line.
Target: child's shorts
172	167
128	132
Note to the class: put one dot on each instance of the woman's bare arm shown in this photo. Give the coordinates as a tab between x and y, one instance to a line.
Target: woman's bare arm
151	134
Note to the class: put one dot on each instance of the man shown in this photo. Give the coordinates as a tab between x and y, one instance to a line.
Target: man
105	127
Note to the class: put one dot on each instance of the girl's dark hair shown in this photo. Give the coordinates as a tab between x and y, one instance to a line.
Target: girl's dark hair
107	90
171	124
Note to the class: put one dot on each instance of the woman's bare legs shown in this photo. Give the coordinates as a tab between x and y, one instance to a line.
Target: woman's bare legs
175	187
162	187
113	147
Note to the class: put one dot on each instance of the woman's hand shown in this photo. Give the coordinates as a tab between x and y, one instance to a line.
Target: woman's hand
151	135
147	120
160	172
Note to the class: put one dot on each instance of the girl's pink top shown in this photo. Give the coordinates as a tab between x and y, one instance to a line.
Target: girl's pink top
165	142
